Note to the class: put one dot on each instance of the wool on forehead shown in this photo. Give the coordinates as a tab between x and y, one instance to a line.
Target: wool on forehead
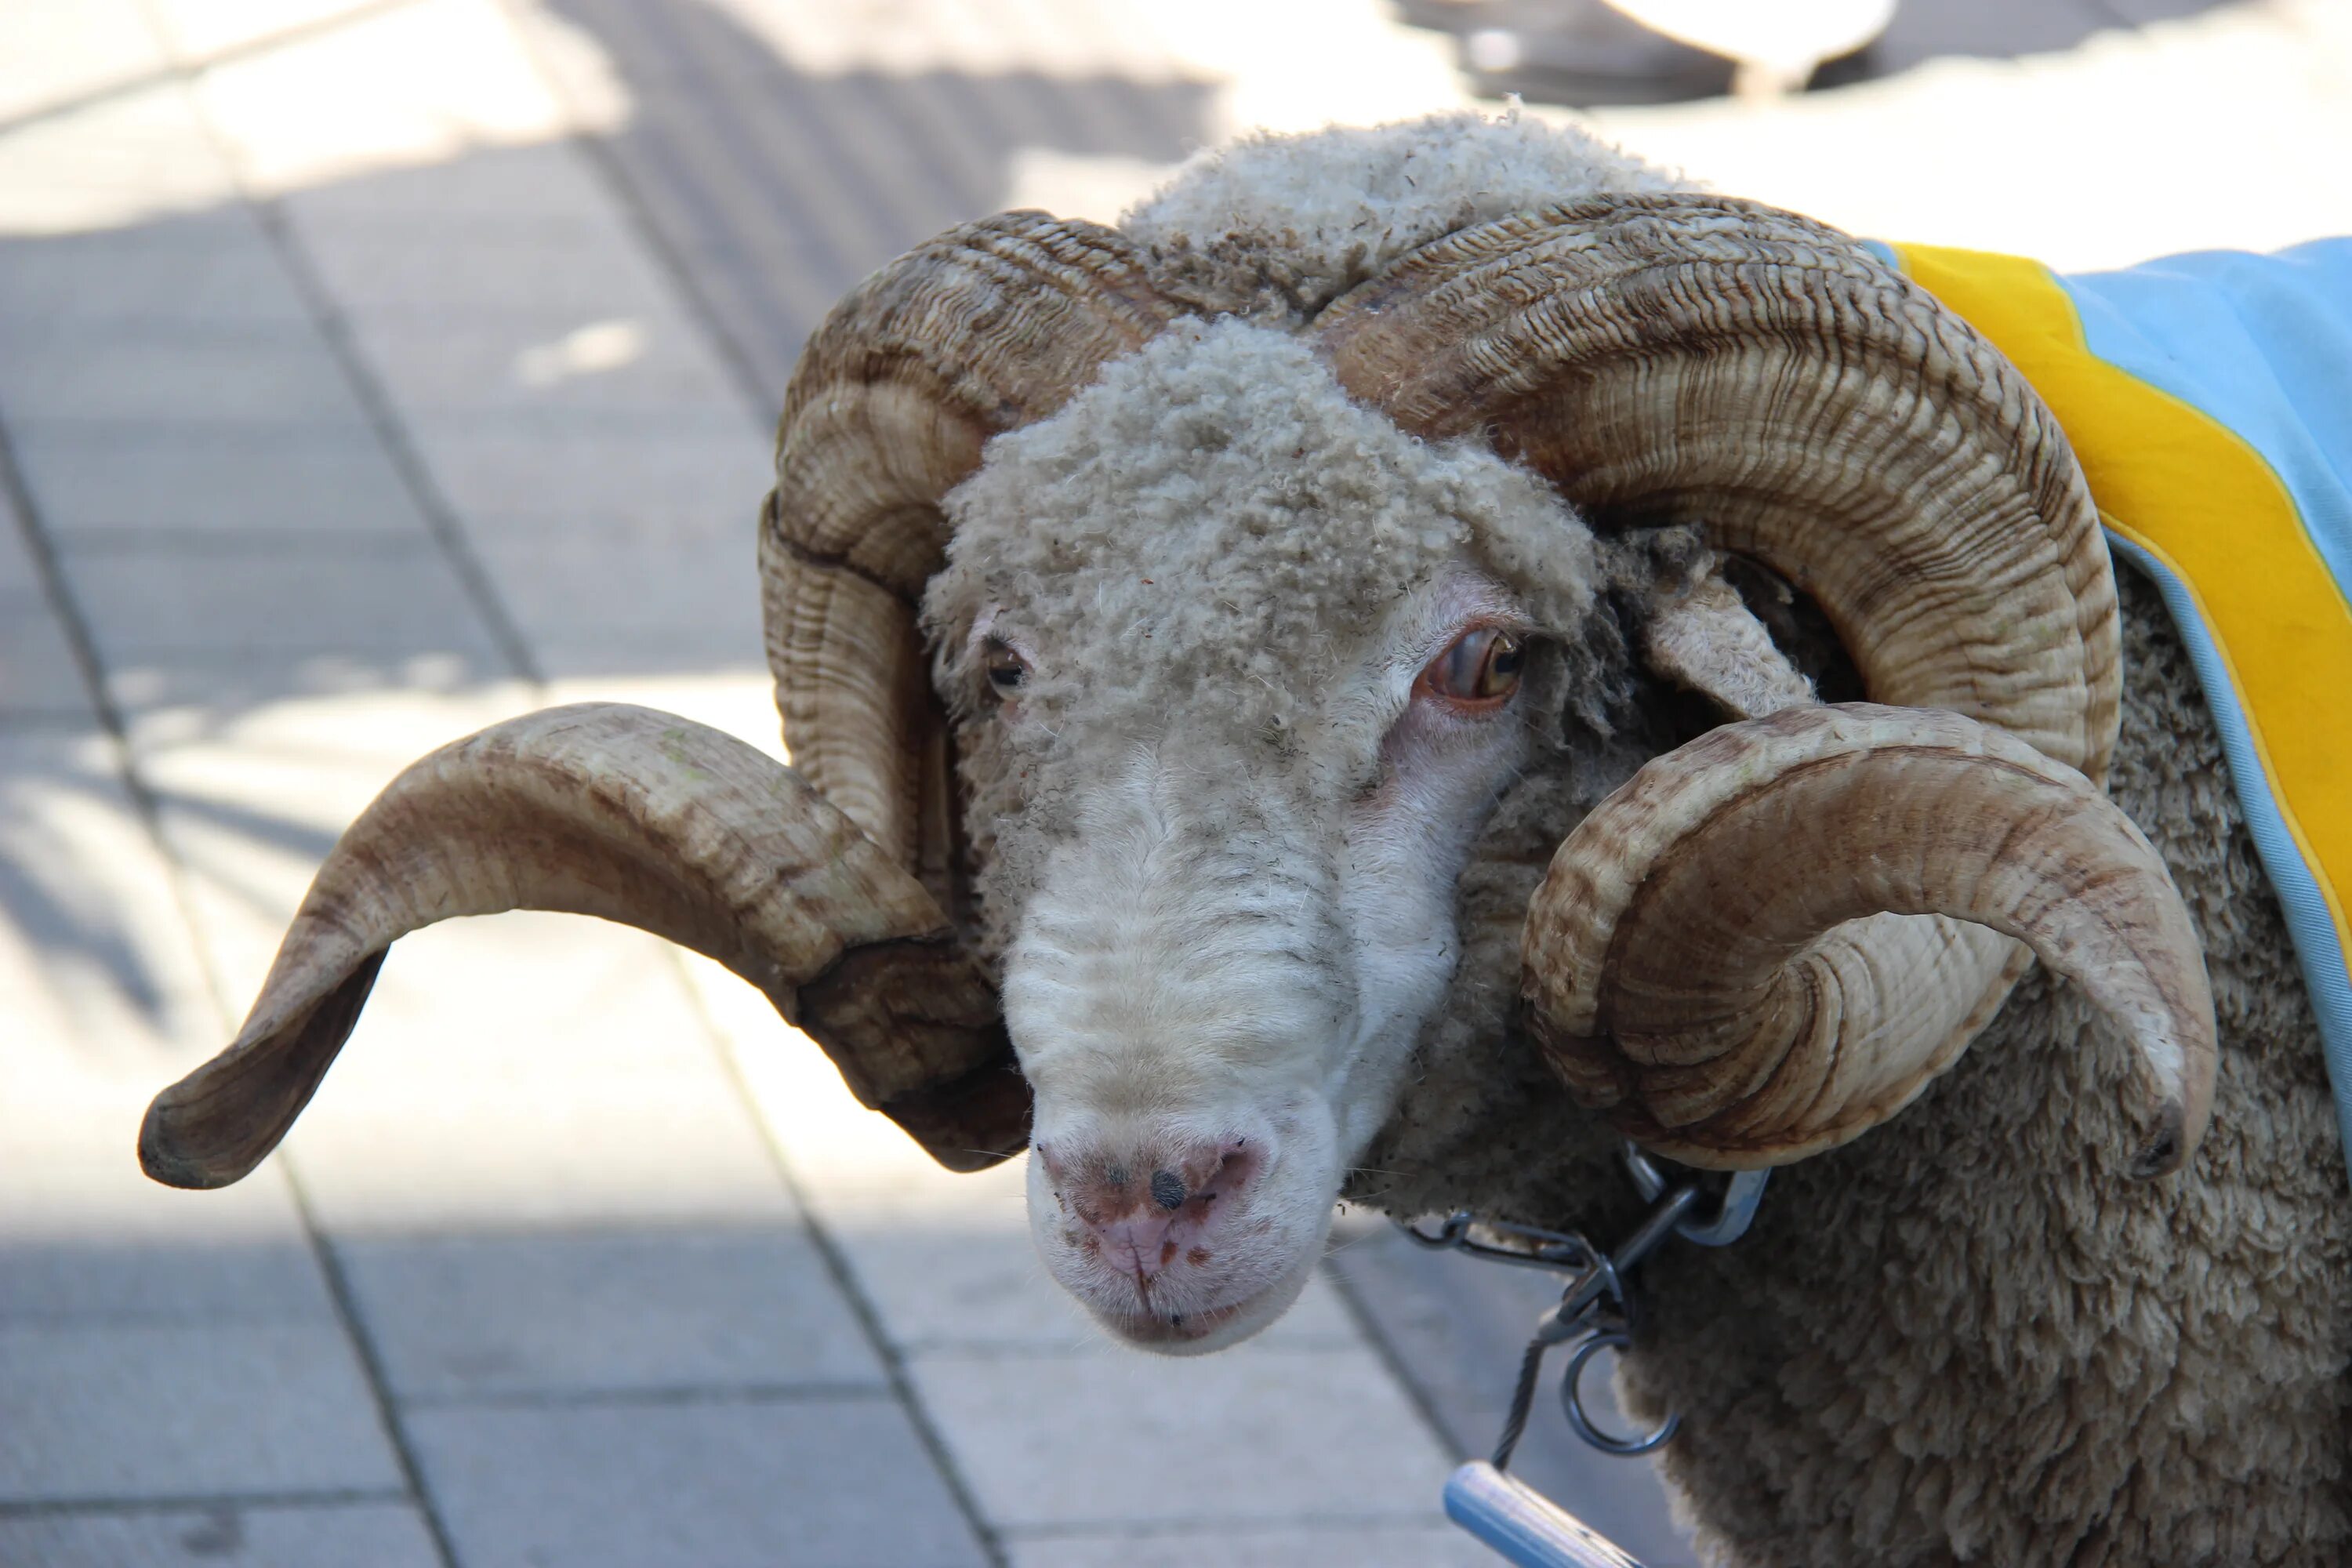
1213	526
1276	227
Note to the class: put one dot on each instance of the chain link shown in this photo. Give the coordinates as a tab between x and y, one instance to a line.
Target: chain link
1598	1307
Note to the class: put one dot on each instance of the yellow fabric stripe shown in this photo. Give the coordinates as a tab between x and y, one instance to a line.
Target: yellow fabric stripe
2172	479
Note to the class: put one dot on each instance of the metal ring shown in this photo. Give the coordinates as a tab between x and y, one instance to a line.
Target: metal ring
1734	1212
1572	1401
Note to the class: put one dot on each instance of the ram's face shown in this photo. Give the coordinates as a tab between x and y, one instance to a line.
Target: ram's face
1237	688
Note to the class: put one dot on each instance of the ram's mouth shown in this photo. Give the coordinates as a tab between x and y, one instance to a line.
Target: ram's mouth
1179	1332
1177	1328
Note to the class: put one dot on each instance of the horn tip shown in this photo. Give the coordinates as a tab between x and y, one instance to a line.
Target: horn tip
166	1153
2163	1153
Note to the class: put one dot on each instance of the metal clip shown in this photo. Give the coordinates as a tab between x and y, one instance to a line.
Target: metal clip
1553	1251
1571	1400
1596	1309
1735	1211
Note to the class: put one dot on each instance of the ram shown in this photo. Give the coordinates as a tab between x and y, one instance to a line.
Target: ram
1424	653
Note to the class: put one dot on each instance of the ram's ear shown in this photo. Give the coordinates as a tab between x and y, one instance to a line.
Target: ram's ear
1699	634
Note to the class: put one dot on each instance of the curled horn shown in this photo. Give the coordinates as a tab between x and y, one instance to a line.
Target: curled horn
1672	953
988	327
1688	359
833	886
637	816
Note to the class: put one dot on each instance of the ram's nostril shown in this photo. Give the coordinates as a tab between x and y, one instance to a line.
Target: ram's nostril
1168	1189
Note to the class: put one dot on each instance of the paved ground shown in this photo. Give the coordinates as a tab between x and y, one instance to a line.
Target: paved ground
370	370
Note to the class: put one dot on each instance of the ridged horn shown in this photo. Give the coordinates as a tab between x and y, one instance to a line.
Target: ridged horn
989	327
652	821
986	327
1688	967
1689	359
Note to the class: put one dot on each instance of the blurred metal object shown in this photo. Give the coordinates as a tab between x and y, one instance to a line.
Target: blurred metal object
1597	1310
1523	1525
1579	1420
1734	1212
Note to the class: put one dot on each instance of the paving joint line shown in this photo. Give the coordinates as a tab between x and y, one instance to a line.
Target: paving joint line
375	404
339	1497
330	1264
752	1393
622	192
741	369
1391	1359
235	54
144	803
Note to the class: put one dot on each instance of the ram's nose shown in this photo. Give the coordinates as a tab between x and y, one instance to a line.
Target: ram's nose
1144	1212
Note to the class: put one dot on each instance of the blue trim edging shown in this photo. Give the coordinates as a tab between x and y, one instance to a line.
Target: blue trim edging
2317	946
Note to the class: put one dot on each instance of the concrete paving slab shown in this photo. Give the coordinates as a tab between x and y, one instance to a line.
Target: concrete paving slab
490	191
52	53
471	272
230	601
86	1237
825	1483
102	1001
115	1411
199	30
39	677
599	1310
623	362
590	604
168	478
532	1070
1087	1440
126	158
1426	1545
97	974
326	1535
200	376
660	476
393	87
2077	158
212	268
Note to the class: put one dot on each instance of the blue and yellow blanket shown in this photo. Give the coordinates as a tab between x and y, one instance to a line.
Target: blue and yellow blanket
2210	400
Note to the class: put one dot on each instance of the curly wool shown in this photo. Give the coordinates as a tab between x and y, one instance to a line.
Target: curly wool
1216	499
1276	227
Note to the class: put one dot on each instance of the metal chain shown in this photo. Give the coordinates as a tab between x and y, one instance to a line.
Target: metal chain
1598	1307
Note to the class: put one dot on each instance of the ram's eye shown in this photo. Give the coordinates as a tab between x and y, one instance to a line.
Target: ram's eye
1480	669
1006	669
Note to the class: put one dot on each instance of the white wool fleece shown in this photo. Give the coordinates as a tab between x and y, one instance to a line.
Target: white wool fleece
1277	227
1209	534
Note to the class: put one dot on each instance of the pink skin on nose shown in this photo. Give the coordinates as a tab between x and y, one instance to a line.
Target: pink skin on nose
1144	1216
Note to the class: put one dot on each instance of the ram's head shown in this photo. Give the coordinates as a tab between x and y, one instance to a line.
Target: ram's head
1158	673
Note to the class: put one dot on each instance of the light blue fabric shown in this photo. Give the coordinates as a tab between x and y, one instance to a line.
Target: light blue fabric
2263	345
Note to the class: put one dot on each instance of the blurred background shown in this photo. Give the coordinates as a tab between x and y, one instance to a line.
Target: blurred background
370	370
